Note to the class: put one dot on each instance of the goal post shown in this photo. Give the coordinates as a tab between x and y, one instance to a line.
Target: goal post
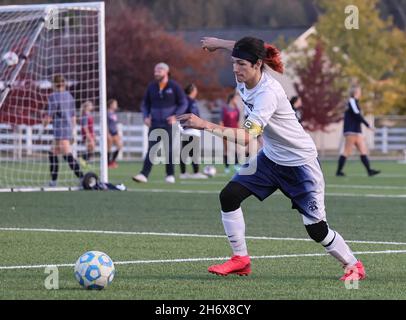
53	100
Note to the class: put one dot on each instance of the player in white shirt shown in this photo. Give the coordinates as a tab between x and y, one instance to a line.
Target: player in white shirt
288	160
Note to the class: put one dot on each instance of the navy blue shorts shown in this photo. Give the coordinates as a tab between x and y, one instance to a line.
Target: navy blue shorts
63	133
303	185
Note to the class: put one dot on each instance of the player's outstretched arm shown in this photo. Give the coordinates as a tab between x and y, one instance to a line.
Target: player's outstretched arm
240	136
212	44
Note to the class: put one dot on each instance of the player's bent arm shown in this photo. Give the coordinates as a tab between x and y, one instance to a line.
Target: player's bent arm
240	136
212	44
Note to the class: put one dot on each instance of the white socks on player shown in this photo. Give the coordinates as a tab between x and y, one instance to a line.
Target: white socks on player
234	225
336	246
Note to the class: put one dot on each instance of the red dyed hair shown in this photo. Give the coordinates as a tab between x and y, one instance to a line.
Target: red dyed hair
273	58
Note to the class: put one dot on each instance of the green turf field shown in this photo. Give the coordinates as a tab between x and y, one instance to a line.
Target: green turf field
164	237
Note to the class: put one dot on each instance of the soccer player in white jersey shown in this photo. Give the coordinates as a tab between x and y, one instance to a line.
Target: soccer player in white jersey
288	160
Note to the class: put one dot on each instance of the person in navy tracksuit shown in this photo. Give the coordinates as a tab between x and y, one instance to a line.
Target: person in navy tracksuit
353	134
163	101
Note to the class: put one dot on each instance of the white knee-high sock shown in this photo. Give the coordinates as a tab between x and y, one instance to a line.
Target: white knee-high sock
336	246
234	226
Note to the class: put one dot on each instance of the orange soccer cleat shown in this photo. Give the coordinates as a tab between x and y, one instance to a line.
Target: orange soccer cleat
236	265
355	272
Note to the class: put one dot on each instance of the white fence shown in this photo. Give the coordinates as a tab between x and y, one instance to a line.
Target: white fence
390	139
20	141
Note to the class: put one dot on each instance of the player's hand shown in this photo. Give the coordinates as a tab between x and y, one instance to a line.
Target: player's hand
192	121
147	122
210	44
171	120
372	129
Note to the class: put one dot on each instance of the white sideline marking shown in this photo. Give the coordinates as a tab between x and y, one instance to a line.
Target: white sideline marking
393	196
191	235
354	186
338	186
175	191
381	175
332	194
200	259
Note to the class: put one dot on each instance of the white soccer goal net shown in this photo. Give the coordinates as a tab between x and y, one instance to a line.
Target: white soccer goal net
52	95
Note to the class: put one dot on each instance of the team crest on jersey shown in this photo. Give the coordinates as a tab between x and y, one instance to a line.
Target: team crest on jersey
313	206
169	91
249	105
242	90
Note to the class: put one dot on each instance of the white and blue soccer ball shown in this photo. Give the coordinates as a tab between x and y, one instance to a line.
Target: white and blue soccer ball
210	171
10	58
94	270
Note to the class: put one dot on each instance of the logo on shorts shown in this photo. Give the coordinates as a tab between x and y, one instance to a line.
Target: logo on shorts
313	206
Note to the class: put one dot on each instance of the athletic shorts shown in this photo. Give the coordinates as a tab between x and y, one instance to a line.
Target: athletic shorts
303	185
63	134
349	133
113	134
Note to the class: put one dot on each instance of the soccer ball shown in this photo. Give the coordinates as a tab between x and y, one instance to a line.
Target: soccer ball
10	58
94	270
210	171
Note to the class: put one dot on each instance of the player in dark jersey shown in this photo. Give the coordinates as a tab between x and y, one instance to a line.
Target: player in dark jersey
191	137
353	134
113	137
87	124
230	117
61	112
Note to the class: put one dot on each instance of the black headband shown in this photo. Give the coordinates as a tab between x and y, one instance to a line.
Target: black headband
244	55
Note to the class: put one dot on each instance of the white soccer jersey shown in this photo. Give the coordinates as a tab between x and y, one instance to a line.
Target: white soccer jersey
268	110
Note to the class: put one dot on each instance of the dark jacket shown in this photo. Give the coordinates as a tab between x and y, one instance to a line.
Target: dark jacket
353	117
160	105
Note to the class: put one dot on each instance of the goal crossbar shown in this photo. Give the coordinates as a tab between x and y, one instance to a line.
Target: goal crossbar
94	6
